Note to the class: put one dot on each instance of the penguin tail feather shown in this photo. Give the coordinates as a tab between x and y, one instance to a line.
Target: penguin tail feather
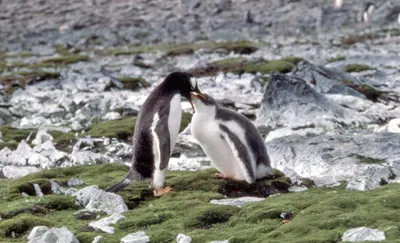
122	184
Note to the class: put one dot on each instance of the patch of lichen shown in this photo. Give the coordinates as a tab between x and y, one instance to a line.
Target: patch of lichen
133	83
336	59
293	59
121	128
356	68
241	65
21	224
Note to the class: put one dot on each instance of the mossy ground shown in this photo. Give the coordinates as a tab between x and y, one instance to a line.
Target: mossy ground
239	47
240	65
356	68
319	214
121	128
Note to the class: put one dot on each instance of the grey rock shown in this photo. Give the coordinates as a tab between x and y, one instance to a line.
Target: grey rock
363	234
325	80
48	150
55	187
104	223
238	202
38	190
42	234
74	182
41	137
95	199
182	238
331	159
224	241
22	154
87	158
97	239
137	237
5	156
40	160
14	172
290	102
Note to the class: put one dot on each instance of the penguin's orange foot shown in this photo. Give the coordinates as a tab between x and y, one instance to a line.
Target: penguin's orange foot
161	191
221	176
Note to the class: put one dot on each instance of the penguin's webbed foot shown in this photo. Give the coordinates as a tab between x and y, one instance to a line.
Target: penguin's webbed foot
222	176
158	192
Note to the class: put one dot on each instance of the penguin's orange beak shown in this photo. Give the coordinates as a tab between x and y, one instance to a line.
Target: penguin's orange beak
198	94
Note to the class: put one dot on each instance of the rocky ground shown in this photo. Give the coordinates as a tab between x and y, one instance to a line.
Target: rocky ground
322	88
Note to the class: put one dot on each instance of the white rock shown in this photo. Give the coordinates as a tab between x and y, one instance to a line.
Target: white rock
5	156
40	160
181	238
41	137
104	223
363	234
297	188
42	234
138	237
14	172
225	241
238	202
95	199
48	150
38	190
87	158
74	182
97	239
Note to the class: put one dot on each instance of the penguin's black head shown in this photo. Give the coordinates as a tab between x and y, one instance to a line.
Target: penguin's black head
185	83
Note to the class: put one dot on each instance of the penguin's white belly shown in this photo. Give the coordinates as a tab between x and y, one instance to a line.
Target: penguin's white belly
174	119
208	134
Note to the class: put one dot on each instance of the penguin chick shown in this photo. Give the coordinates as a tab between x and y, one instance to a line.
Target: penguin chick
230	140
156	130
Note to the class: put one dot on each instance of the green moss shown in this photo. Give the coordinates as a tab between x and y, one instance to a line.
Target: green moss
240	47
370	92
204	218
63	141
21	54
319	214
368	160
134	83
121	128
61	49
65	60
12	136
293	59
336	59
21	224
241	65
356	68
185	120
141	64
352	39
23	78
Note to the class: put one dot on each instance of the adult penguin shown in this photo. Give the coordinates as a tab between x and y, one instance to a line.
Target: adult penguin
156	130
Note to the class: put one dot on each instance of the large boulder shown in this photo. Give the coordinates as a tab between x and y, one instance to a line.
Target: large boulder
365	160
290	102
42	234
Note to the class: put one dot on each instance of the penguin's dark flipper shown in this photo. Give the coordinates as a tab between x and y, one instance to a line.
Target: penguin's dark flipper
122	184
